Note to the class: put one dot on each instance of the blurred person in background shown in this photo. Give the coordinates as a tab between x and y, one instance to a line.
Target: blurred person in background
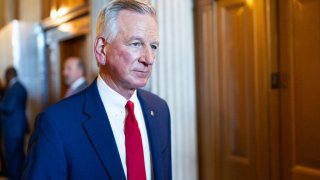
74	75
14	123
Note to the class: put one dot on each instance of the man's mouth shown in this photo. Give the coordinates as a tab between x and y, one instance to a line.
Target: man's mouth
142	73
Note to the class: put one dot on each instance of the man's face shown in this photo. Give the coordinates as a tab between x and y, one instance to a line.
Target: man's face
130	56
71	71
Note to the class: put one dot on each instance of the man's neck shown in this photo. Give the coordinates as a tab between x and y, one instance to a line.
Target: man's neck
126	93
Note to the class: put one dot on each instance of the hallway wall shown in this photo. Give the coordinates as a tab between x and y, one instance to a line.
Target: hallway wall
8	11
30	10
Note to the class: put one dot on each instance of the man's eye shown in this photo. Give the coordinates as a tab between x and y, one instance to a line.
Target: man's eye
154	47
136	44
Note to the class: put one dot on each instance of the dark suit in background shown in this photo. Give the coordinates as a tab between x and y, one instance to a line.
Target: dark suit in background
14	127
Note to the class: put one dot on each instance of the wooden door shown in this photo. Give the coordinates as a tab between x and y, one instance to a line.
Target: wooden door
241	62
299	32
232	70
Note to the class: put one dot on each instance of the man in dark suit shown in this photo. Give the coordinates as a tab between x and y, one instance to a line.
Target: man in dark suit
74	75
112	129
14	123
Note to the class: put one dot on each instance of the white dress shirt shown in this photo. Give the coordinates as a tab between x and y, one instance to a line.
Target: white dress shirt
114	104
13	81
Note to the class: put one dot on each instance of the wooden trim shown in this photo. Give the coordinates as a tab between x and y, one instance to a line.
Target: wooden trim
274	95
49	23
204	64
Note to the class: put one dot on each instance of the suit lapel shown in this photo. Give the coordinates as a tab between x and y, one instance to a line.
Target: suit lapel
151	121
100	133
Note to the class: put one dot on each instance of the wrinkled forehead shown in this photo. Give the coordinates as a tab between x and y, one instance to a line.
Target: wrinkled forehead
138	23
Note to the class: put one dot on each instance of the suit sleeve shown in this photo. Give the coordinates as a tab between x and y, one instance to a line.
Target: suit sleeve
45	158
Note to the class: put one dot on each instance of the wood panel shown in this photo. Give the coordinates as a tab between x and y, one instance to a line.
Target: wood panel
299	29
46	8
2	13
204	71
243	92
71	4
57	9
236	87
233	59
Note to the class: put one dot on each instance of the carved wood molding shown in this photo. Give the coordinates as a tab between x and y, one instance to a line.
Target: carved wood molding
49	23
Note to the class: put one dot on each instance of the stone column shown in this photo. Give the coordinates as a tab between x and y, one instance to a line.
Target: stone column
174	79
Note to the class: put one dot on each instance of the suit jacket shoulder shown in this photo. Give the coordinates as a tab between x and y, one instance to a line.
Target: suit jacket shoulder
73	139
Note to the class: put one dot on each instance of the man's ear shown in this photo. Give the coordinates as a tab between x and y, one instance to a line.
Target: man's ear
100	49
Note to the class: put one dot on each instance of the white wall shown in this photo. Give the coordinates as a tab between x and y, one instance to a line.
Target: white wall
174	79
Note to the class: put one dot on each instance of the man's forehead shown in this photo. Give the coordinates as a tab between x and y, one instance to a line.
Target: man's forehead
129	16
139	24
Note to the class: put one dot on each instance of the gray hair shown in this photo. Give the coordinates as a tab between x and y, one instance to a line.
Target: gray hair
107	25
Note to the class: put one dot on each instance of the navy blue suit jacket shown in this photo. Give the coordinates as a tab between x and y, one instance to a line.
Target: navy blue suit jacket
74	140
13	110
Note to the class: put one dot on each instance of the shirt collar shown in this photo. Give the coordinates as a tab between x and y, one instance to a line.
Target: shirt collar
114	99
12	81
77	83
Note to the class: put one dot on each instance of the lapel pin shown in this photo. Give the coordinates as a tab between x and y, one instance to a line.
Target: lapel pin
151	113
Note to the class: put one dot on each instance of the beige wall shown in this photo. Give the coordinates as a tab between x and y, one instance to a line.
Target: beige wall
2	13
30	10
25	10
8	11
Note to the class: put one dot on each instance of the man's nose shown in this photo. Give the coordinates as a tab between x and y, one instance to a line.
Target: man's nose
148	56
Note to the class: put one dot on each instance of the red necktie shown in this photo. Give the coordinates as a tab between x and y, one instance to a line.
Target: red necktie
134	151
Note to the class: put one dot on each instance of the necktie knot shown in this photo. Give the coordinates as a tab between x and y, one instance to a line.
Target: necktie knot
130	106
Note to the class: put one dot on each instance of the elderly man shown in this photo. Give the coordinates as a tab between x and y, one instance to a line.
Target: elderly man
112	129
74	75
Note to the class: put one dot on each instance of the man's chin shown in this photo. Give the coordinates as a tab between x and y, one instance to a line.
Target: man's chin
140	84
